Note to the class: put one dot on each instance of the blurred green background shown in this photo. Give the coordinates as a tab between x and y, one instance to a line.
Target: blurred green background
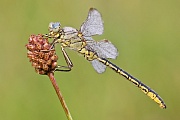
146	33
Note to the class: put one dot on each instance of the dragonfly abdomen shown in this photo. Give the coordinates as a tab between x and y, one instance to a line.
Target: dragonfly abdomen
145	89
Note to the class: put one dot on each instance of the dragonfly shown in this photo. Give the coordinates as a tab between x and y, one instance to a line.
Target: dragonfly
96	52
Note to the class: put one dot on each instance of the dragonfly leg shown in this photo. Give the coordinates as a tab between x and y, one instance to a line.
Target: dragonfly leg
54	39
47	36
53	43
63	68
68	62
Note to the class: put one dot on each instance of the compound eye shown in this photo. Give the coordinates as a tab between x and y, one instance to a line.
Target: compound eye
54	26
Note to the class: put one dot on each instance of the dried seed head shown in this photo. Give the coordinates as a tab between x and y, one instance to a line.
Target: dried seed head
43	59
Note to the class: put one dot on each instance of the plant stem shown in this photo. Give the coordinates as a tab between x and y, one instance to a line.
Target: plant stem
59	94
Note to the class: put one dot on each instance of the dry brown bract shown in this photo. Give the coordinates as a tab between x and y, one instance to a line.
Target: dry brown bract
42	58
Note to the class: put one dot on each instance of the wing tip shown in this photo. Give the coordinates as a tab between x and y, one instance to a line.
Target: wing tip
92	8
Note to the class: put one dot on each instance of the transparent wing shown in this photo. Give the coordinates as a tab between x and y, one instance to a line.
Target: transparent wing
69	31
104	49
70	34
99	67
88	38
93	24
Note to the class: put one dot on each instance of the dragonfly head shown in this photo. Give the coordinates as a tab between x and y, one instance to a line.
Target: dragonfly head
54	27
